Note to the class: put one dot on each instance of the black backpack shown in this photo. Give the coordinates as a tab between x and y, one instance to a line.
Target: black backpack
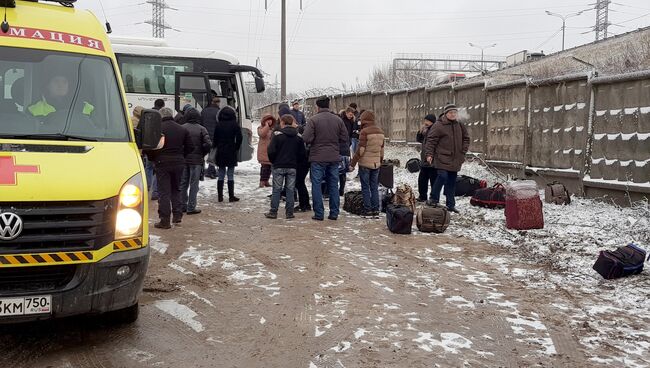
624	261
494	197
466	186
353	202
399	219
413	165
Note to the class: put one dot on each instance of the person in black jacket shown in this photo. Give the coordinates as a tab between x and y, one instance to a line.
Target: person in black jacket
227	139
428	173
285	151
194	161
209	121
170	163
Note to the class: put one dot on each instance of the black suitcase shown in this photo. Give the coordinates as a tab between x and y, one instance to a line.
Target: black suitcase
386	175
413	165
353	202
624	261
466	186
399	219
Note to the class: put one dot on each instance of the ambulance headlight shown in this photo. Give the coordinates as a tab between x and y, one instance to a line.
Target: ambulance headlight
128	222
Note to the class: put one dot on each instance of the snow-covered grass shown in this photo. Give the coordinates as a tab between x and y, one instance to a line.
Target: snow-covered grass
566	249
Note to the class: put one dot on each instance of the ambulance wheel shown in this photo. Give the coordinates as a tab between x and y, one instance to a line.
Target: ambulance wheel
124	316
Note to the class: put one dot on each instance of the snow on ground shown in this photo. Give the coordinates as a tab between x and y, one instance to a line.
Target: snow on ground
568	246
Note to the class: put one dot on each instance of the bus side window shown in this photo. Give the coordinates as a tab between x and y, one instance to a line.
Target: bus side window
128	80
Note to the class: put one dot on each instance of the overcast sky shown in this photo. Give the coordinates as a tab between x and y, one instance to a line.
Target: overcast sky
339	41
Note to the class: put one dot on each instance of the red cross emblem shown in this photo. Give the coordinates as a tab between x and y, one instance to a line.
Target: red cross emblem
9	170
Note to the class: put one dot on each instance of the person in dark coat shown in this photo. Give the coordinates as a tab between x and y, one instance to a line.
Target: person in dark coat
170	163
180	116
158	104
209	121
427	173
297	114
325	132
285	151
194	161
227	139
344	147
447	144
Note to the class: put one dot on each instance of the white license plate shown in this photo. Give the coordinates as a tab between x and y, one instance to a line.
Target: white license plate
41	304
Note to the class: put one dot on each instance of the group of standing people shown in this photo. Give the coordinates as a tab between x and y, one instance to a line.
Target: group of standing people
179	165
326	146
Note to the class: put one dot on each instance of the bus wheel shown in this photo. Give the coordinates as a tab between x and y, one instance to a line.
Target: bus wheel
124	316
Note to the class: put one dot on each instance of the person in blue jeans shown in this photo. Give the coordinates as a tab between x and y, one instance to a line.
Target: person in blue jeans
445	148
194	161
369	155
325	132
286	150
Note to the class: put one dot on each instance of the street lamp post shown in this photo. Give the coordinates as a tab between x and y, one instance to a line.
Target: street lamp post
482	48
564	18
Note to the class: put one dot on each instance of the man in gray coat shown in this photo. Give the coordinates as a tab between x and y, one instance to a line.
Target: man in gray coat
325	132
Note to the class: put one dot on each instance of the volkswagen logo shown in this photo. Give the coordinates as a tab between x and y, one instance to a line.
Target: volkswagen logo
11	225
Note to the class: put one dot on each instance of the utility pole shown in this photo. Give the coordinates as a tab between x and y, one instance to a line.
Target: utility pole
602	19
283	61
482	49
157	21
564	18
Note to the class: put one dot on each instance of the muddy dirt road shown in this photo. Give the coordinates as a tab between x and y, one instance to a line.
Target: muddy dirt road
229	288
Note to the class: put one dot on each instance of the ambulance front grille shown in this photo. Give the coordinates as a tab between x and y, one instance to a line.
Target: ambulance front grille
33	279
56	226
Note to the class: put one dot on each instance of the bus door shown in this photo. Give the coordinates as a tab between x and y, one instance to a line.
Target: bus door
198	89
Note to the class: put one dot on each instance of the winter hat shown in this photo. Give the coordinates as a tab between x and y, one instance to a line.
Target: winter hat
431	118
367	115
267	117
227	114
186	107
284	109
450	107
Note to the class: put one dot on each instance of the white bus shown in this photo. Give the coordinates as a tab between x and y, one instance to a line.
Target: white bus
151	70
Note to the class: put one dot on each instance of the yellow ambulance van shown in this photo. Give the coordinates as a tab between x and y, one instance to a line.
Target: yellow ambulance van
73	214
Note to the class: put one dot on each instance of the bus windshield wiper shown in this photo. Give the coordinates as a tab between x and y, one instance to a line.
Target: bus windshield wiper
55	136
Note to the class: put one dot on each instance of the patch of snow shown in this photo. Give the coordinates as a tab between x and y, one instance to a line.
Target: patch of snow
181	313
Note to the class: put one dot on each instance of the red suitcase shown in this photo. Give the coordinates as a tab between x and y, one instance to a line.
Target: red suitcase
524	209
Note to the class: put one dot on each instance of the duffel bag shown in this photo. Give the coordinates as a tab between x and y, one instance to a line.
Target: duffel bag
353	202
494	197
557	193
399	219
624	261
432	219
413	165
466	186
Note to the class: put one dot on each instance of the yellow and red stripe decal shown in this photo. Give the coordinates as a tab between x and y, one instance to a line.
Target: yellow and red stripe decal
49	258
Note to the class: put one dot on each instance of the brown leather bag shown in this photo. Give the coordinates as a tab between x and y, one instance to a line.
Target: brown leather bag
557	193
432	219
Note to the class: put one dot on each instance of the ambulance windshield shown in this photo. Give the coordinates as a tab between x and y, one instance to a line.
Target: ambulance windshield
47	93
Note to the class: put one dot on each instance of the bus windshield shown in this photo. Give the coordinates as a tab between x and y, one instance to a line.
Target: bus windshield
45	93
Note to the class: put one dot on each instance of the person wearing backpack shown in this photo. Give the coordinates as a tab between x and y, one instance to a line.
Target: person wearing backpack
286	151
369	155
427	171
445	149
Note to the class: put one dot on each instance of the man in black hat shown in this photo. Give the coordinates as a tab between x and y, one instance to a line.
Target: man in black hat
427	171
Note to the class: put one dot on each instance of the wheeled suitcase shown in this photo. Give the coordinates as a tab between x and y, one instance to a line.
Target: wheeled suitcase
386	175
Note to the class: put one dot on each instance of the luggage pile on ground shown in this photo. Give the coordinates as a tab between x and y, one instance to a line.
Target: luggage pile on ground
523	206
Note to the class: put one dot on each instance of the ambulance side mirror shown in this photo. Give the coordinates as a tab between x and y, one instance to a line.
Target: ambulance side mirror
149	130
